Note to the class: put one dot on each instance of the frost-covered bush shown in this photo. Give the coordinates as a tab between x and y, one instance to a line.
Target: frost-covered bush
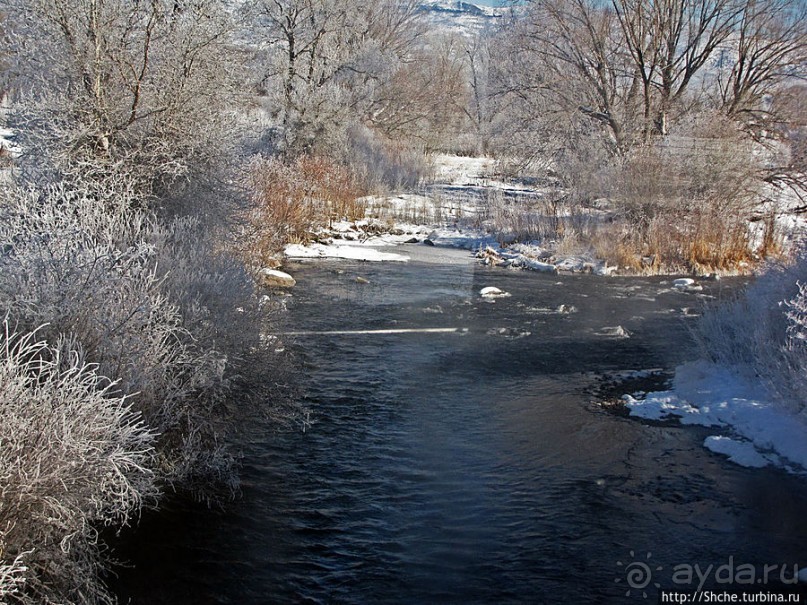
75	456
384	165
763	332
12	578
104	87
158	305
795	349
174	323
220	308
80	259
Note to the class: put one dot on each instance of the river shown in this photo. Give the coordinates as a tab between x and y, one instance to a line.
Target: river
457	454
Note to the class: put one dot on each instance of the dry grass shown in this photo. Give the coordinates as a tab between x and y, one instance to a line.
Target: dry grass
693	244
613	244
686	203
526	218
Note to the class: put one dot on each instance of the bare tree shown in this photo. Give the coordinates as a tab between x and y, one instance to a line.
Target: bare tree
663	88
108	84
633	65
308	41
395	27
669	42
575	51
480	108
425	99
768	50
325	58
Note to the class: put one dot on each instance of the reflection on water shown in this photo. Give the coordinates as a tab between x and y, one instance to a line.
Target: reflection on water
468	466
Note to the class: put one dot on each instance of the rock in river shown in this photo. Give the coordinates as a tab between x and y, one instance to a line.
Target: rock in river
492	292
272	278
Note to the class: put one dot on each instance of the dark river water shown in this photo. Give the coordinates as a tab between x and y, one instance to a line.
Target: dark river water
470	466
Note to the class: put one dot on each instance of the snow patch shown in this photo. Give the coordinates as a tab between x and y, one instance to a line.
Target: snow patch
709	395
462	170
342	252
740	452
8	142
687	284
510	333
466	239
504	258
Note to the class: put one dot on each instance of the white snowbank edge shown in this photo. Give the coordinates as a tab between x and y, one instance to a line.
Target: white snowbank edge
705	394
342	252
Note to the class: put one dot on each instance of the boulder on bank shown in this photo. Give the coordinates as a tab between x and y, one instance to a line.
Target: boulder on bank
272	278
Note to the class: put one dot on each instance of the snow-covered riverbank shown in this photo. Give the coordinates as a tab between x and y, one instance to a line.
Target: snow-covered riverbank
749	427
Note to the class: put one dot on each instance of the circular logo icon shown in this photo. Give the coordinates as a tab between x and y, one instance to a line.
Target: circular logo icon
638	574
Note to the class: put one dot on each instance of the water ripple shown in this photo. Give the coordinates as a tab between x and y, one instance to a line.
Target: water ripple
446	468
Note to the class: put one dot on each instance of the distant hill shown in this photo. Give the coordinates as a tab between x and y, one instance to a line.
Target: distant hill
461	17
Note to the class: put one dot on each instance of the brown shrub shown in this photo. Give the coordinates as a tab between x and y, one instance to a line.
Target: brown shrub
292	200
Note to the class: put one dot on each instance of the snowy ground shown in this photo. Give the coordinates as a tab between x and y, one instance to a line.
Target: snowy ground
749	428
365	253
8	142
